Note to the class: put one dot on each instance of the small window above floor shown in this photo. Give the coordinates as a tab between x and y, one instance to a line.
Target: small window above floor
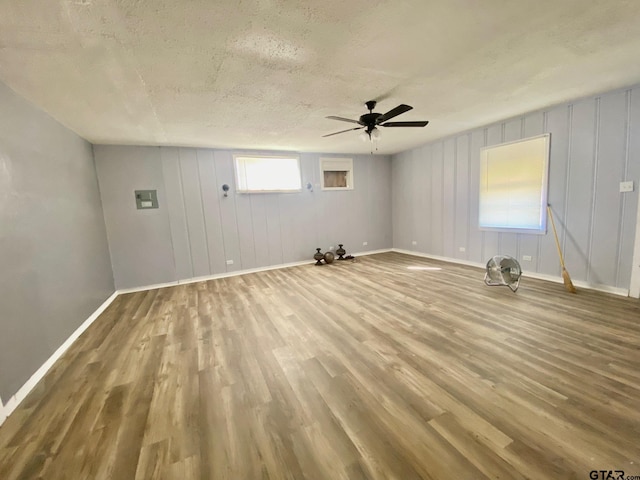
263	174
336	173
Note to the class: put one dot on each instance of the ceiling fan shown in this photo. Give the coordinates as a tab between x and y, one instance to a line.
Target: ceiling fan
372	120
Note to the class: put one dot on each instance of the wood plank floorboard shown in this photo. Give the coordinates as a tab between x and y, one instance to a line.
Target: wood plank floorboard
357	370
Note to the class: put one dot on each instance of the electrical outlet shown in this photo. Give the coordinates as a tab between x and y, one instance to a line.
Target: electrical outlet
413	242
526	258
626	186
229	262
364	244
462	249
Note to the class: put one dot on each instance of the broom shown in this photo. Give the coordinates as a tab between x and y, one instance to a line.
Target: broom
565	275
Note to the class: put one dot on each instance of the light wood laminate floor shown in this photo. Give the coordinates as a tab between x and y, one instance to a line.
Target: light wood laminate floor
365	370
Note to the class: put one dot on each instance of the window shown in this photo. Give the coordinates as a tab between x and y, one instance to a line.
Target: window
336	173
255	174
513	186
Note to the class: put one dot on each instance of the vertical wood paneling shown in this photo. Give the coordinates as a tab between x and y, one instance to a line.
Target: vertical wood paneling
306	234
223	161
423	191
407	199
211	194
175	207
558	124
367	206
630	200
194	215
509	241
577	226
297	226
274	235
337	220
475	247
396	231
595	144
140	243
368	231
529	244
379	206
449	197
204	229
310	174
608	199
534	124
244	222
403	196
437	208
492	244
260	233
357	214
417	198
288	214
323	212
462	196
513	130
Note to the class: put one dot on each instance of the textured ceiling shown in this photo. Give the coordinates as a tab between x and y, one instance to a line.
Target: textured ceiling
265	73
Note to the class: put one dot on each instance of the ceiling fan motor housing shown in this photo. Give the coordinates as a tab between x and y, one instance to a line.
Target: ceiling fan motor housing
369	120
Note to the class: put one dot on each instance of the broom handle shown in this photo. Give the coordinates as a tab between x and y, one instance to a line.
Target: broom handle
555	235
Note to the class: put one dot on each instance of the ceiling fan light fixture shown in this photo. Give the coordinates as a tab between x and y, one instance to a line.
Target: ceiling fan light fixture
376	134
364	135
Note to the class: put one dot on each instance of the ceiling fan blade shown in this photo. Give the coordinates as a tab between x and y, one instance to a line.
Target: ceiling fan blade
405	124
343	131
394	112
342	119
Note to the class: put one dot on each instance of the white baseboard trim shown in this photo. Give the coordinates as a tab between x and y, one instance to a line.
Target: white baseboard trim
624	292
371	252
205	278
233	274
442	259
7	408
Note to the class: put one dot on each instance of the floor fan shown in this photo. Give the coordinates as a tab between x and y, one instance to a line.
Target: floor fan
503	270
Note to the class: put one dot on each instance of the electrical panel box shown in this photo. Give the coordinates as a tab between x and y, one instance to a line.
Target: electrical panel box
146	199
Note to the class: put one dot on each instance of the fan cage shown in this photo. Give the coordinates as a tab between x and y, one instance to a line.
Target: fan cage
503	270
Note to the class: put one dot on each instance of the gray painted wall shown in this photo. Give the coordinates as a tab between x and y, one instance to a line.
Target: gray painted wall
196	229
595	144
55	269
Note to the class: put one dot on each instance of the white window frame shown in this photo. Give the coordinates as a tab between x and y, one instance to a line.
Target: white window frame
537	154
240	182
333	164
